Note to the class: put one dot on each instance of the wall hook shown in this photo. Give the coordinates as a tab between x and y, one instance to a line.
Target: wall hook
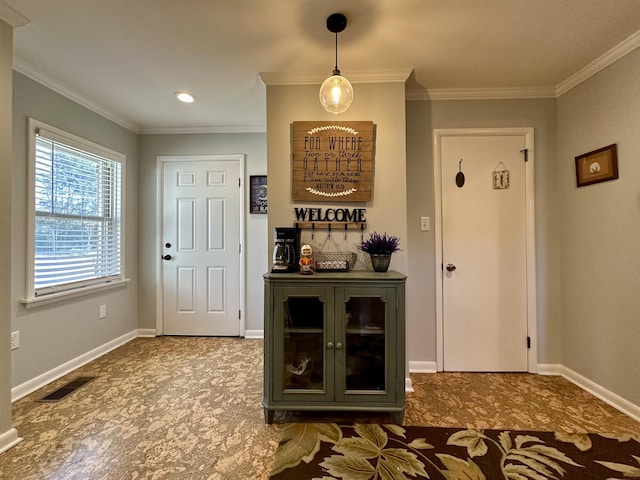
460	175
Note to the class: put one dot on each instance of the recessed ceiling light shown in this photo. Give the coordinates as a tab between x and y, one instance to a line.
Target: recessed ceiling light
184	97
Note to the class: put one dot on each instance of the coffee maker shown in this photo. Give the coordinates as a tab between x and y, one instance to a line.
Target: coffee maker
286	250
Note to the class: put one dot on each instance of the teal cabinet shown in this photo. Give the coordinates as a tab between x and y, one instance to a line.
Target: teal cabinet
334	341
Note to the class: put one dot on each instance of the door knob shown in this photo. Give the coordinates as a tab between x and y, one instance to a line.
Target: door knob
450	267
330	345
166	257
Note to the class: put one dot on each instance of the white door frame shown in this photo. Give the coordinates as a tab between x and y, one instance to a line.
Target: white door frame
160	228
438	135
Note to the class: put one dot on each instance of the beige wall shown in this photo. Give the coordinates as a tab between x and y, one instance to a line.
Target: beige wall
422	118
54	334
381	103
586	239
253	147
6	62
600	230
384	104
286	104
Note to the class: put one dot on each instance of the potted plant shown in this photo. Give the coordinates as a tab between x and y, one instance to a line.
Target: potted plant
380	247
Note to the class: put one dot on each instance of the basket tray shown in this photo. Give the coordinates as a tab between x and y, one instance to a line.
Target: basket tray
334	261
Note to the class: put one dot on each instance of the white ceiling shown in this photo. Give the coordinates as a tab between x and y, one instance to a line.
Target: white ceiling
126	58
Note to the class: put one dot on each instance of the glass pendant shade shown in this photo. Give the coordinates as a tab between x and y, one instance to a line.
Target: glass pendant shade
336	94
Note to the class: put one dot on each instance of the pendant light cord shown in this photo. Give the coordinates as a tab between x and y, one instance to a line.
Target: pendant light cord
336	71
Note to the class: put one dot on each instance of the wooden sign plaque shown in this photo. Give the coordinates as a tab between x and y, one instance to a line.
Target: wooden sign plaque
332	161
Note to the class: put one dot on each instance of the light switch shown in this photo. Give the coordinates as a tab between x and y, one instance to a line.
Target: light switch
425	224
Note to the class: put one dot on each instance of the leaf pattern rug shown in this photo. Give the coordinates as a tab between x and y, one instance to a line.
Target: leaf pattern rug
328	451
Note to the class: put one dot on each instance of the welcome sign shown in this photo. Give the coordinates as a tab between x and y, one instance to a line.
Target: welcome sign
332	161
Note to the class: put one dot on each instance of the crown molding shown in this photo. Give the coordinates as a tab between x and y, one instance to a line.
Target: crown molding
480	93
212	129
626	46
375	76
36	75
616	53
12	16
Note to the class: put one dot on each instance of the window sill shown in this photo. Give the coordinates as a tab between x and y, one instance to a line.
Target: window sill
33	302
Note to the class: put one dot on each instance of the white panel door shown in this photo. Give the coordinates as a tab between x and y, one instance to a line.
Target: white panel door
484	238
201	247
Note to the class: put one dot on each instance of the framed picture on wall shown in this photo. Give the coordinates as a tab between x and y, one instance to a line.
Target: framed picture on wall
332	161
597	166
258	194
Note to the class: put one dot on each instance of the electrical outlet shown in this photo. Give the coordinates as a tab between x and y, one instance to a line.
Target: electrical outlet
102	311
15	340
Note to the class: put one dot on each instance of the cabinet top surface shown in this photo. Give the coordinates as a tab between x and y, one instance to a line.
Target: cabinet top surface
336	277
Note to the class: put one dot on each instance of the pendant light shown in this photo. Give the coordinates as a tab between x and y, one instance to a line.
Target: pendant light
336	93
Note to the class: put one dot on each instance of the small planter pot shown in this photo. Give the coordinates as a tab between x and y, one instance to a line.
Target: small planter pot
380	261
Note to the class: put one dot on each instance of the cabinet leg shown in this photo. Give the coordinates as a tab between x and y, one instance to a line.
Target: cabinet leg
398	417
268	415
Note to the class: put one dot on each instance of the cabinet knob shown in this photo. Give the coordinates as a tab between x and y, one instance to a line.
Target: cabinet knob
330	345
338	346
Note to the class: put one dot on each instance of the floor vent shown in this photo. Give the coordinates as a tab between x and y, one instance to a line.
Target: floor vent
67	389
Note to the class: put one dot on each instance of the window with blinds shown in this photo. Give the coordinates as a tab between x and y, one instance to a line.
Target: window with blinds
77	214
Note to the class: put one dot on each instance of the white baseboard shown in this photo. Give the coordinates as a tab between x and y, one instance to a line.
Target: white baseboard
613	399
418	367
9	439
422	367
607	396
408	385
550	369
40	381
254	334
147	332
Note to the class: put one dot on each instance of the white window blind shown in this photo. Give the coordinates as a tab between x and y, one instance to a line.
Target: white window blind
78	206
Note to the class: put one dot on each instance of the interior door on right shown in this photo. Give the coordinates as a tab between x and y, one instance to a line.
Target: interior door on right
484	252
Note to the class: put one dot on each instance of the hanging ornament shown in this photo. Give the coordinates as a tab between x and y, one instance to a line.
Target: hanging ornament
500	177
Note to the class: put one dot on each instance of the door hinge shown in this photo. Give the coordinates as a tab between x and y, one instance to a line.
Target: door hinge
239	314
526	154
239	180
239	248
528	342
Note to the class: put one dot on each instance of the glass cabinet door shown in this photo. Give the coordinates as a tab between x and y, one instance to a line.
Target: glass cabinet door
303	347
365	345
367	331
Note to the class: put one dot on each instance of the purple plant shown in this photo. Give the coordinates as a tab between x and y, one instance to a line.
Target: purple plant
380	244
